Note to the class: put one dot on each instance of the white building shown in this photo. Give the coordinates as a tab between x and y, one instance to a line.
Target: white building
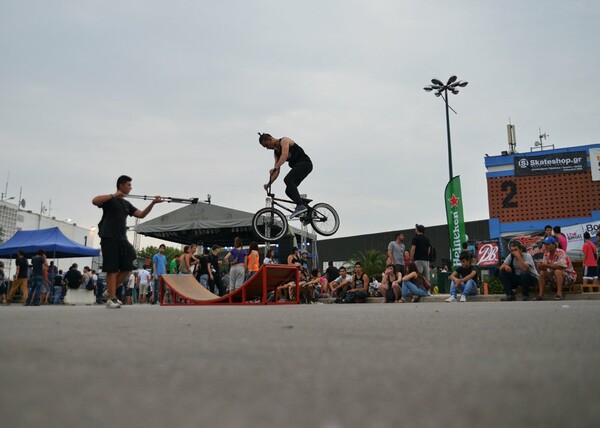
13	219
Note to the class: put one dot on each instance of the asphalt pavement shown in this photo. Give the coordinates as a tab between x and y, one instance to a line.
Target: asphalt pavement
469	364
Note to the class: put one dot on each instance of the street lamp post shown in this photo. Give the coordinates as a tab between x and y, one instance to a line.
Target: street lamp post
442	90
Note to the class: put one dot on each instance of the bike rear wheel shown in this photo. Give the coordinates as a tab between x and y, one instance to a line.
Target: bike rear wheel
269	224
324	219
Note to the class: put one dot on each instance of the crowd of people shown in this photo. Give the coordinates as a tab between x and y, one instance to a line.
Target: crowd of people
405	278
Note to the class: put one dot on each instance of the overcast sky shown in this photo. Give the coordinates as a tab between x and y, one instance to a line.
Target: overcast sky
174	93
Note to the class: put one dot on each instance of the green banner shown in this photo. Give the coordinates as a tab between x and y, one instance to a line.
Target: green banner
456	220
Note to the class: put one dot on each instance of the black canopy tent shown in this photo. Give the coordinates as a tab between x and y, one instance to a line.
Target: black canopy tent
206	224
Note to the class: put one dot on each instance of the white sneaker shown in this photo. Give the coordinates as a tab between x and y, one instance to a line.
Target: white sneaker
300	209
463	298
451	299
113	304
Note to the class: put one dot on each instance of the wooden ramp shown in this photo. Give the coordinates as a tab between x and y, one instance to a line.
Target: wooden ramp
185	290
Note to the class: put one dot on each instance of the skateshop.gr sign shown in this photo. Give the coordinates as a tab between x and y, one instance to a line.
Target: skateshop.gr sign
557	163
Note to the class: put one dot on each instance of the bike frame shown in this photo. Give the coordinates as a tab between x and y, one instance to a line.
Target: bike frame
278	202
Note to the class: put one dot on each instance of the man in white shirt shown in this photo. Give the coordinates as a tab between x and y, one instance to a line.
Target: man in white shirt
143	280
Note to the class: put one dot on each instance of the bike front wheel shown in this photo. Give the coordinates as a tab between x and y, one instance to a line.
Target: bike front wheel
324	219
269	224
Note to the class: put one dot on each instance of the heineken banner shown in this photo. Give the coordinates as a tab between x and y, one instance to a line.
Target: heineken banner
456	220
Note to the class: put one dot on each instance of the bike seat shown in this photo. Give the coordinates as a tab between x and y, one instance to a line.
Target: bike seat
306	200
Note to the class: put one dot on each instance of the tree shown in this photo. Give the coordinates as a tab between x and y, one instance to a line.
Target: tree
1	234
372	261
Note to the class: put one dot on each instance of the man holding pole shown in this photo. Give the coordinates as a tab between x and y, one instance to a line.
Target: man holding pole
117	253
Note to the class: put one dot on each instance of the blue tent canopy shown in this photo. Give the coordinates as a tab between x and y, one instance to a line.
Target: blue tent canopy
52	241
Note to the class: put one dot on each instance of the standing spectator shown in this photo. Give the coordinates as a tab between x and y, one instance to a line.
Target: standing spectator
58	285
98	285
406	258
21	278
294	258
215	266
590	259
238	258
130	288
52	272
143	284
2	284
563	243
37	278
463	279
73	277
225	280
331	273
555	268
159	268
395	253
185	264
253	259
414	284
174	265
269	260
598	257
194	261
304	261
46	287
517	270
420	250
204	273
118	254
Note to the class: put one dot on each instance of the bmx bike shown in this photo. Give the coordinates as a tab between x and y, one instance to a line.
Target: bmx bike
271	224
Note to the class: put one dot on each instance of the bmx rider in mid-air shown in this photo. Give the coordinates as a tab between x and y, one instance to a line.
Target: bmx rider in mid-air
287	150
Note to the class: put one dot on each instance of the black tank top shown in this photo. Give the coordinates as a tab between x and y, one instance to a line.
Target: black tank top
295	155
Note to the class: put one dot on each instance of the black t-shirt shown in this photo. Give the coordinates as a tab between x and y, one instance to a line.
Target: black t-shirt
422	244
38	265
113	224
332	273
73	278
58	280
23	267
203	265
462	272
214	262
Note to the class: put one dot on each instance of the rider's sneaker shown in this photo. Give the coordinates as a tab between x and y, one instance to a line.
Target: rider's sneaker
300	209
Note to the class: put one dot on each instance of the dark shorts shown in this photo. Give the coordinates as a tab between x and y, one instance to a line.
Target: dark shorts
400	268
117	255
589	272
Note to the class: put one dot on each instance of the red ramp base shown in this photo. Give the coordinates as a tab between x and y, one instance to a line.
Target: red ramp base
185	290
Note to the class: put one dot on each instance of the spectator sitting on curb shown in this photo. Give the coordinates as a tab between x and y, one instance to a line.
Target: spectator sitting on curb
555	268
392	279
359	290
340	284
414	284
517	270
463	279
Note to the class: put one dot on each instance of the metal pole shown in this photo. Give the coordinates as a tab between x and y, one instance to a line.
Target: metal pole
448	132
